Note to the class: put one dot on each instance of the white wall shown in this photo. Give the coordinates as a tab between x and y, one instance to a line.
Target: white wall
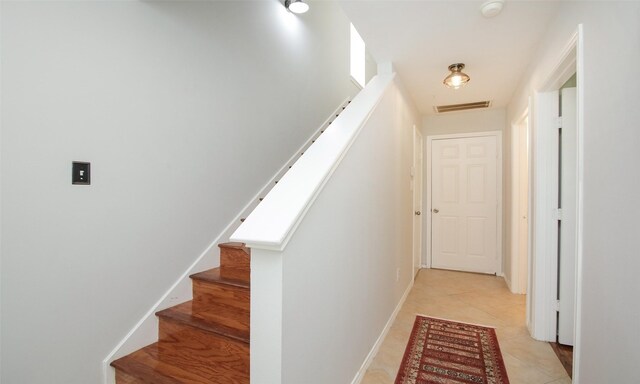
185	110
609	315
371	67
1	64
464	122
339	268
493	119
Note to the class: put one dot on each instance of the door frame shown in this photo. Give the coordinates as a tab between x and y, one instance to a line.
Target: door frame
418	142
427	223
516	282
543	274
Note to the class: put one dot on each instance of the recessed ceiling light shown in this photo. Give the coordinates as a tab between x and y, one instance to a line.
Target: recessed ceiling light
492	8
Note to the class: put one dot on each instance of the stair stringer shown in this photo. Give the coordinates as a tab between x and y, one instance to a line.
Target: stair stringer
145	331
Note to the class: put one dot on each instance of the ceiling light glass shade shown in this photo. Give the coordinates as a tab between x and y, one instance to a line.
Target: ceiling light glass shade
456	78
296	6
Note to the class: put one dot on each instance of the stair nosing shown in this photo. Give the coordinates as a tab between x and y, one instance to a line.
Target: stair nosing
203	276
126	368
172	314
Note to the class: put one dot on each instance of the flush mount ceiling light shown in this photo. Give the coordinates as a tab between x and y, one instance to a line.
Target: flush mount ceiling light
456	78
492	8
296	6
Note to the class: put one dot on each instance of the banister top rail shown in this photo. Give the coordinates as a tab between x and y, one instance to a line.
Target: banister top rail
275	219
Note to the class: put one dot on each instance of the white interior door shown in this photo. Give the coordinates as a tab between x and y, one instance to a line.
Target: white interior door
464	204
417	199
568	205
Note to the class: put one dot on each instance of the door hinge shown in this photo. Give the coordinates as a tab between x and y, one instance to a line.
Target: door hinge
557	306
559	122
559	214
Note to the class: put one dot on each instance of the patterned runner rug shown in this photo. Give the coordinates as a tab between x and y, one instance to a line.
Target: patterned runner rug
448	352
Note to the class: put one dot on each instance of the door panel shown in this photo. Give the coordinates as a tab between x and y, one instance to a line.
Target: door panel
568	229
449	239
464	202
449	184
476	236
476	176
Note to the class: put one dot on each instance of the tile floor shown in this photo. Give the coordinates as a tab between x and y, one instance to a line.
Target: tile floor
472	298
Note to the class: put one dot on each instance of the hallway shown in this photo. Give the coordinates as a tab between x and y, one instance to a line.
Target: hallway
472	298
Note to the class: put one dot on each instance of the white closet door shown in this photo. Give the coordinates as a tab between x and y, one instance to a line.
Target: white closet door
464	204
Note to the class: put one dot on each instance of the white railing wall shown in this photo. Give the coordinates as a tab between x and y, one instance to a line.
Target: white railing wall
331	245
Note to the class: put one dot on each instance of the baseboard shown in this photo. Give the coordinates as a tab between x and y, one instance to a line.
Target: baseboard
508	281
372	354
145	331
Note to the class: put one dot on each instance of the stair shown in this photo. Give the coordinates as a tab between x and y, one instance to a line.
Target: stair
205	340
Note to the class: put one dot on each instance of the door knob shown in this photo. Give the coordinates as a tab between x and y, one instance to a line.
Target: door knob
418	213
435	210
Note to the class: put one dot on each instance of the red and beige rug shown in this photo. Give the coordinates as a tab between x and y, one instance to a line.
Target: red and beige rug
449	352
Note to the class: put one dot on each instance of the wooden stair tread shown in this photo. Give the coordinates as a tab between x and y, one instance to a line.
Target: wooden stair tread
187	358
213	276
220	319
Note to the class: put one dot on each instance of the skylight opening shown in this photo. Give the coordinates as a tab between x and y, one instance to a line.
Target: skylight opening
358	61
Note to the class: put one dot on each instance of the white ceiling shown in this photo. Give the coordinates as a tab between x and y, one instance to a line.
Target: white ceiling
422	37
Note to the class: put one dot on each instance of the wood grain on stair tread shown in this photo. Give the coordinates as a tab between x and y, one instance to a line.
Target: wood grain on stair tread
209	288
235	261
234	245
188	357
207	294
146	375
214	276
224	320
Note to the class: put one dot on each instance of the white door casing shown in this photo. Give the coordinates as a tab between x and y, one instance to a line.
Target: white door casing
568	218
416	174
465	186
523	207
543	257
519	255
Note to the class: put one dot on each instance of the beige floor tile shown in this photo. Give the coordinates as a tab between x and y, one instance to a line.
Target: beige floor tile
564	380
376	376
521	372
472	298
509	332
536	353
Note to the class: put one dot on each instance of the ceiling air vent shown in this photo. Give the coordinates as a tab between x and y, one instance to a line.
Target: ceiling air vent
462	107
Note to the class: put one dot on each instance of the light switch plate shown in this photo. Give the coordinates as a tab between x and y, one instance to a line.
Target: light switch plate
81	173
